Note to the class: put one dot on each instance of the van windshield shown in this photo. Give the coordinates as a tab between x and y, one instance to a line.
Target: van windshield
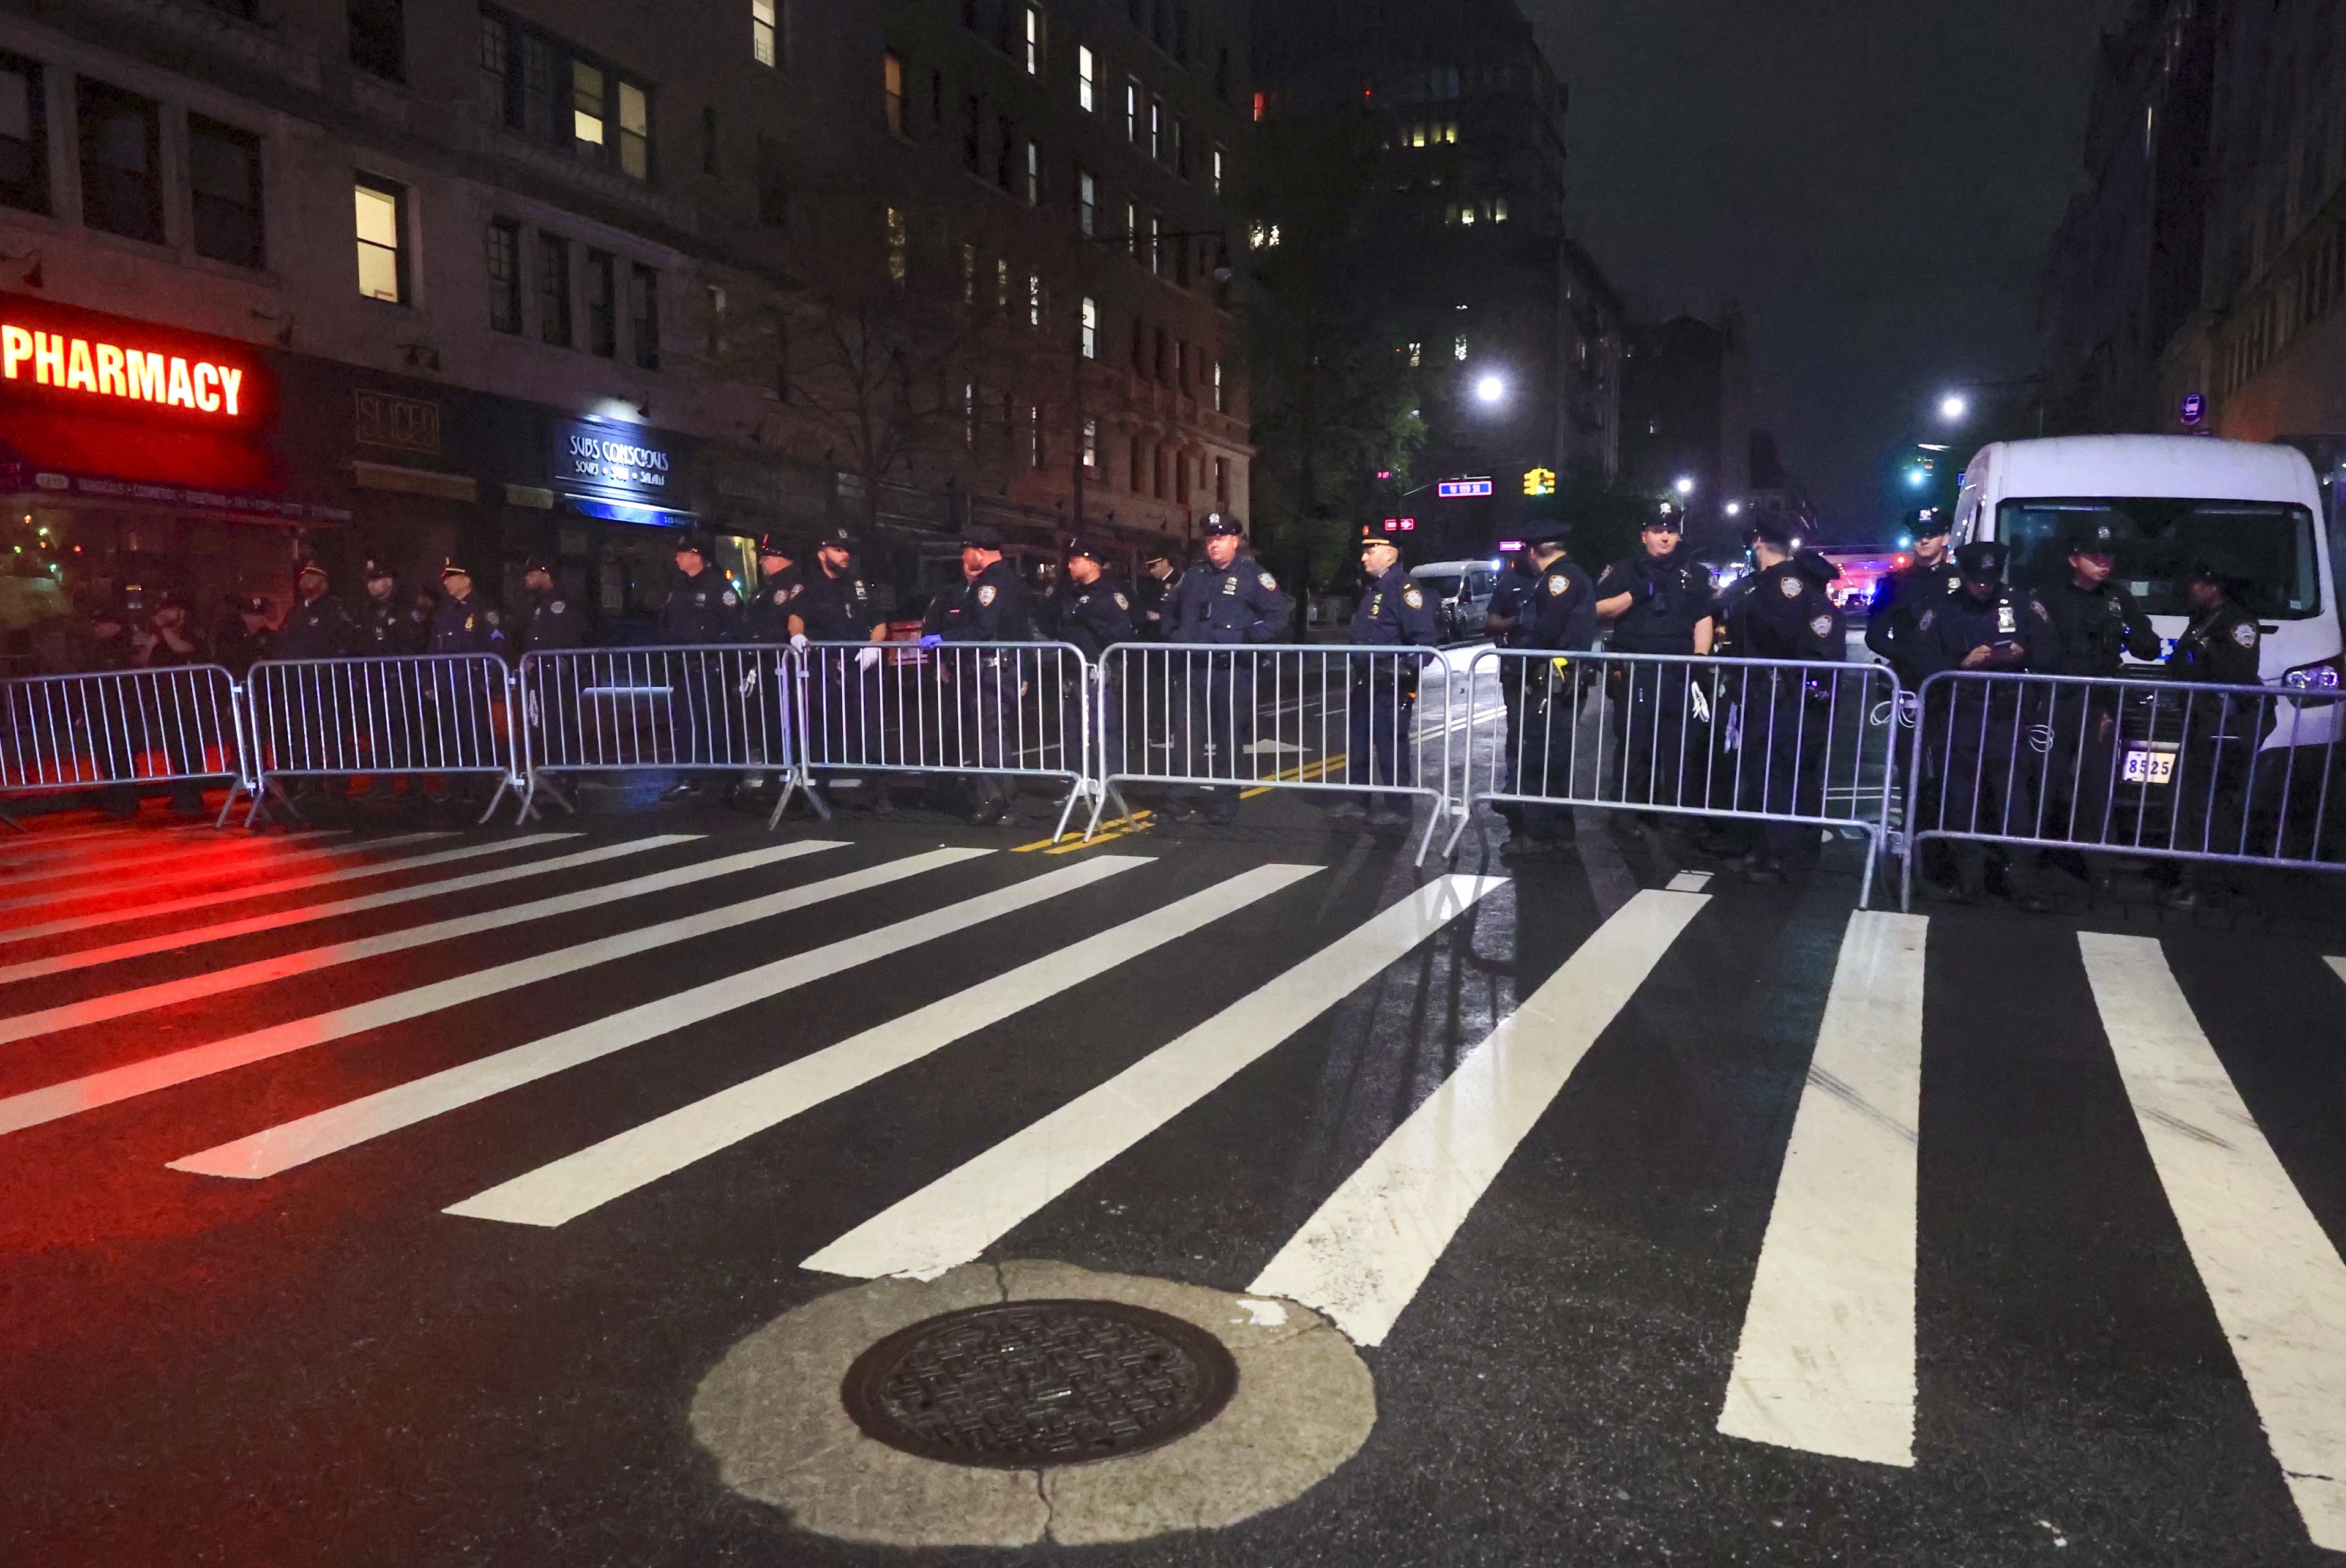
2267	547
1442	587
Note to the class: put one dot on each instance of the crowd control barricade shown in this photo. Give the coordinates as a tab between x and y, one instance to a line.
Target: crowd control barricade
1683	735
1307	717
446	714
993	712
2145	766
698	709
121	729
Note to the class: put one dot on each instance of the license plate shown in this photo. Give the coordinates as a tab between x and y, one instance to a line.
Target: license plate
2149	766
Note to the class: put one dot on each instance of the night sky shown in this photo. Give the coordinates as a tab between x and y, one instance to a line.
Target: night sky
1876	182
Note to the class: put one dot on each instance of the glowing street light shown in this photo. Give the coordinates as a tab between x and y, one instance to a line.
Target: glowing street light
1685	486
1735	509
1955	408
1490	388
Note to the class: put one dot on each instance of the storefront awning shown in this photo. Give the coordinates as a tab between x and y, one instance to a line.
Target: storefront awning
628	512
32	485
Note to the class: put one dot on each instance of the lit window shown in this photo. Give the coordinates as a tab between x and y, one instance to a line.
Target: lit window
762	31
1090	319
1087	202
1218	171
1156	243
1263	236
899	246
1416	136
585	103
1002	285
1091	445
1086	79
1466	216
1157	129
1132	229
1450	133
1221	401
1033	299
382	229
1416	356
969	274
1033	40
1034	175
1034	423
1132	111
1498	210
1458	347
969	413
891	87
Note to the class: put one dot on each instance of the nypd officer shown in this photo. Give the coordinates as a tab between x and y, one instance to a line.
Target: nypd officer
1159	575
2221	646
1657	601
1990	784
702	610
1090	608
2092	625
990	604
1786	614
1506	618
766	618
1391	613
549	620
462	624
1226	600
318	625
1559	617
833	604
1902	596
388	626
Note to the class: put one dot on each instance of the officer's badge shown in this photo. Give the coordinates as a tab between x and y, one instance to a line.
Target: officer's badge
781	595
558	606
468	623
1412	599
1924	624
1376	604
2245	634
1954	582
1556	586
1821	626
986	594
2007	621
2117	606
858	588
1269	581
1121	601
727	599
1788	587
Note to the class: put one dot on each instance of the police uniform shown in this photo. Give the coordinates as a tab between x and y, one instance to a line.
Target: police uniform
552	620
386	626
766	618
1148	596
1785	614
2088	632
1973	726
2219	647
317	628
466	625
237	647
1560	617
1381	748
1506	620
1236	606
1669	599
701	610
847	695
1897	602
992	608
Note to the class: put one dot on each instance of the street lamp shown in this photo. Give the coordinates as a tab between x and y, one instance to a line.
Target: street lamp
1490	388
1735	509
1955	408
1685	486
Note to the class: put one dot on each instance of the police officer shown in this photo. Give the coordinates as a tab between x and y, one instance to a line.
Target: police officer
2221	646
767	616
2092	625
318	625
549	620
386	626
161	637
1659	601
1902	596
1090	608
1159	573
834	604
1505	619
1392	612
246	637
990	604
1560	617
1990	781
702	608
1784	613
464	624
1226	600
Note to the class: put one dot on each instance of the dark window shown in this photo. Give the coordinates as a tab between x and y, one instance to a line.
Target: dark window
643	314
241	9
553	290
224	173
969	15
1132	464
602	304
1157	336
378	38
1160	28
503	243
1181	34
1139	349
1005	151
24	137
709	141
973	119
773	184
937	97
120	135
1222	74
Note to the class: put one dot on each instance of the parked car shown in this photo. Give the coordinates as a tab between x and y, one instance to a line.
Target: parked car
1461	593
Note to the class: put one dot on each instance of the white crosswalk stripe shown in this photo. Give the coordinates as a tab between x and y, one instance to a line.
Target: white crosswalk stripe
280	1149
115	886
961	1213
560	1192
177	865
277	920
121	1004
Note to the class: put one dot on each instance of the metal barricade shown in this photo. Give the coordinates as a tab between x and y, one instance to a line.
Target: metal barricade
121	729
1276	717
700	708
996	712
1759	740
2148	767
431	715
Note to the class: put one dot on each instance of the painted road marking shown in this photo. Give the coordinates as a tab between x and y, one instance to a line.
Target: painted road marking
75	1095
218	858
557	1192
40	846
96	1009
1362	1257
2277	1286
961	1213
1827	1359
1690	882
275	920
280	1149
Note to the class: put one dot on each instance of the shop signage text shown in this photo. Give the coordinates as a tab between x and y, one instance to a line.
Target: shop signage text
599	458
401	423
112	370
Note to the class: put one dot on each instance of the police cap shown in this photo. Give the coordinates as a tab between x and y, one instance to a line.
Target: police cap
1156	553
1930	522
1814	567
309	568
541	562
376	572
978	536
1982	558
452	567
1372	534
254	605
773	544
1776	533
2217	569
2090	536
1087	550
1547	530
840	538
691	542
1666	523
1222	526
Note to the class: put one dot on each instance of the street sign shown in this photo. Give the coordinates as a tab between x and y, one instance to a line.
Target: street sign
1401	525
2195	411
1460	489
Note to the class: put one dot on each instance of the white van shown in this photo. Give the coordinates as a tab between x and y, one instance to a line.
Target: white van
2173	499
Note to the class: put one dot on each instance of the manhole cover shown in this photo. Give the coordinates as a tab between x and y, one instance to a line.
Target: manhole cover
1029	1384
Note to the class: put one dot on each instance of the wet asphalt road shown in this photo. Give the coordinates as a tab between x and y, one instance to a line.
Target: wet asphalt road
321	1366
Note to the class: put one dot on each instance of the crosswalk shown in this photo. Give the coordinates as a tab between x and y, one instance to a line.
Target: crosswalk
555	951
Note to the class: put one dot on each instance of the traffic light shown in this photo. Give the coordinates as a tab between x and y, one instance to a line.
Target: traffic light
1539	481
